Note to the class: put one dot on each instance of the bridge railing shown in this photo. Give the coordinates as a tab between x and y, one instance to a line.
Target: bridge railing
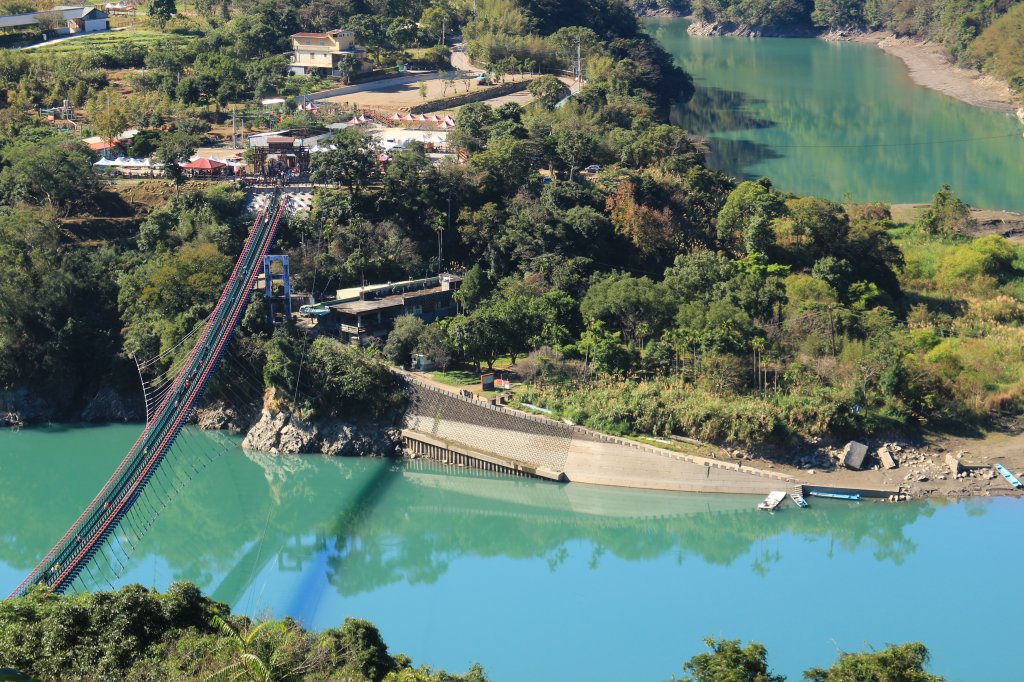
87	534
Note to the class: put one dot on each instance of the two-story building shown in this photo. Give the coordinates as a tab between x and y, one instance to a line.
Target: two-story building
361	314
322	52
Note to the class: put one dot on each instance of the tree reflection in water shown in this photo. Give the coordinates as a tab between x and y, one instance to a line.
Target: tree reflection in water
713	111
375	522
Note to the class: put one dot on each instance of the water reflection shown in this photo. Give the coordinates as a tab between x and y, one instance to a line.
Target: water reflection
373	523
716	110
422	552
835	119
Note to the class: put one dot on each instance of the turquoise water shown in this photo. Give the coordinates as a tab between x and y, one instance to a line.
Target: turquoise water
540	581
837	119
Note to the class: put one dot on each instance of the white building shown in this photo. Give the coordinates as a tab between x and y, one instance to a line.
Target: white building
72	20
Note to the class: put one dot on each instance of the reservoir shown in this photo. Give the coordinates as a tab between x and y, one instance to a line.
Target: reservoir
835	119
537	580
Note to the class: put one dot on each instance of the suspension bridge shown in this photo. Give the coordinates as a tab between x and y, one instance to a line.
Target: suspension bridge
169	404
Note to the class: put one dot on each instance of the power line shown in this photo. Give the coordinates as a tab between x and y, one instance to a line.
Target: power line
875	145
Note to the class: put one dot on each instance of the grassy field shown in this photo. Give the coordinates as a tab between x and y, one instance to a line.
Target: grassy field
457	377
103	41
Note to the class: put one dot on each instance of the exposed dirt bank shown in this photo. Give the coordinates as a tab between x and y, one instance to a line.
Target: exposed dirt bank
924	468
1009	224
928	63
931	66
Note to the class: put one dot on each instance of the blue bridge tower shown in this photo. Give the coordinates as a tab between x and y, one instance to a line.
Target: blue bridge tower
277	289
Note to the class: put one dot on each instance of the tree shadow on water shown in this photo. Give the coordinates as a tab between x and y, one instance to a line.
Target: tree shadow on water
714	110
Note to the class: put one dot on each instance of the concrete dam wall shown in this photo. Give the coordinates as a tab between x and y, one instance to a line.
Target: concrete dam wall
448	427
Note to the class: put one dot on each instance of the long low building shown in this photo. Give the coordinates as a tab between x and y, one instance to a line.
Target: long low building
360	315
64	19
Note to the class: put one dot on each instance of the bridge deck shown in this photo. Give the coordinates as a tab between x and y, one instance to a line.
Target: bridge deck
59	568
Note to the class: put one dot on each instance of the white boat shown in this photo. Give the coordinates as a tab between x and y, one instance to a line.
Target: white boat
799	499
773	500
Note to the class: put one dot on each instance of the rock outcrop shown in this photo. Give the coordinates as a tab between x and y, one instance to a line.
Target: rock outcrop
20	406
728	28
280	432
220	416
109	405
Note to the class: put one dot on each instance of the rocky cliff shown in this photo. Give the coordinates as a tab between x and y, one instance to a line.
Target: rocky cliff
39	404
728	28
280	432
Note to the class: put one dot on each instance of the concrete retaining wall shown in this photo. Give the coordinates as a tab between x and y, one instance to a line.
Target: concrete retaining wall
471	96
550	448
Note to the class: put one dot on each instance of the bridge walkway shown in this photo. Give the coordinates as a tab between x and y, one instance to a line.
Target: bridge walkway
59	568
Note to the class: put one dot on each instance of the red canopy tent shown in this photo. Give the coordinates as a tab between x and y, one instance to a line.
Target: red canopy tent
203	163
205	167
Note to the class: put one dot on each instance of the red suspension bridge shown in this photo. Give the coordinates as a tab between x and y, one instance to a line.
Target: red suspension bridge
99	522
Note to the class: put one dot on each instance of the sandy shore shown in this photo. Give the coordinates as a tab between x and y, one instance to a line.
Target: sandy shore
930	66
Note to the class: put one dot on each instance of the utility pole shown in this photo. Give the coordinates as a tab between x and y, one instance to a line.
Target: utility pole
579	65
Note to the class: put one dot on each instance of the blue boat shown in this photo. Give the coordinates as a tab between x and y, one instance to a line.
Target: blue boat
1009	476
836	496
318	309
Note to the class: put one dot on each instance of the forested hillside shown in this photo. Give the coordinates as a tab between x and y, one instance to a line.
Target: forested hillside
985	34
648	294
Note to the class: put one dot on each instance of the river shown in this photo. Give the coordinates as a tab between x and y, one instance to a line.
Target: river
836	119
541	581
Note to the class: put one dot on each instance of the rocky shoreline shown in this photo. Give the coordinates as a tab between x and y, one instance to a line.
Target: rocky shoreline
923	468
278	431
728	28
654	10
24	406
928	64
932	468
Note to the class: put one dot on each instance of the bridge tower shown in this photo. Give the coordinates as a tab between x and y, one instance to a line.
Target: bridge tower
277	289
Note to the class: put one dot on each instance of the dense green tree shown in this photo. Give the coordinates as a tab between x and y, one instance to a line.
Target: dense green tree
351	381
575	147
57	315
838	14
403	339
746	218
56	170
820	226
350	160
947	215
897	663
727	662
636	306
472	127
474	288
547	91
163	299
161	11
